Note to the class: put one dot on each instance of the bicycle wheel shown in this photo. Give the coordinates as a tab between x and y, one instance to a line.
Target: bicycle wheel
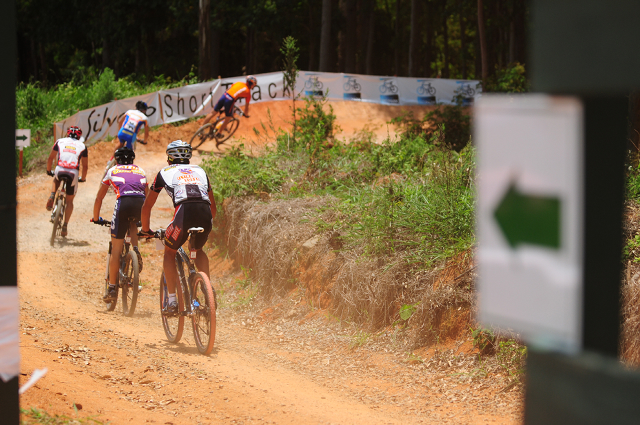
383	89
308	84
394	89
432	91
232	126
200	136
319	85
470	92
421	90
356	86
204	317
346	86
173	325
57	220
129	281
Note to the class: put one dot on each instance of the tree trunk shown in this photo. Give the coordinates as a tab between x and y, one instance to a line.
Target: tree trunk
396	41
445	33
204	40
351	36
313	54
325	37
633	143
369	66
34	59
463	43
413	40
482	38
215	52
43	65
512	41
428	55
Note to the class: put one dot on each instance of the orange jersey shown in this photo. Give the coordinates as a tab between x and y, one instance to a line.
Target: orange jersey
238	90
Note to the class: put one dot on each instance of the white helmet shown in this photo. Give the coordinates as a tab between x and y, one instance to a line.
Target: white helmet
179	150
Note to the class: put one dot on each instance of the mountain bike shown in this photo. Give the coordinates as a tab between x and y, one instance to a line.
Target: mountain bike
210	130
351	83
196	299
59	207
425	88
128	276
388	85
313	83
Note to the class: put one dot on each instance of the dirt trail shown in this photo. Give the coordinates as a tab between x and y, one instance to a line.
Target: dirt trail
282	370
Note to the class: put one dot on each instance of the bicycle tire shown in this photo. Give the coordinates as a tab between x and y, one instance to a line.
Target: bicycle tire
57	219
130	288
394	89
383	89
346	86
200	136
173	326
432	91
471	92
204	317
308	84
420	90
319	85
232	126
357	87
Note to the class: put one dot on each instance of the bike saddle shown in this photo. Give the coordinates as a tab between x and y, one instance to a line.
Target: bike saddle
195	230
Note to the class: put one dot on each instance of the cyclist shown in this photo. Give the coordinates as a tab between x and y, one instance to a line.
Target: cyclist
130	124
190	190
71	153
228	99
130	185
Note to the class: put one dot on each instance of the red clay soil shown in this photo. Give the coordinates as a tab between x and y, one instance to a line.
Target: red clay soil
296	367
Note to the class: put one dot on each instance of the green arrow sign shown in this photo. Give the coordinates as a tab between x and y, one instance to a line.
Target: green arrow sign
529	219
23	137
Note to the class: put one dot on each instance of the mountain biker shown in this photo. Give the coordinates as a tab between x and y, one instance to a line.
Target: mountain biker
129	182
71	153
190	190
130	124
228	99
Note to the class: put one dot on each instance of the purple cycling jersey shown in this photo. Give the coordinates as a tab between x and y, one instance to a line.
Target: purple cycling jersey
127	180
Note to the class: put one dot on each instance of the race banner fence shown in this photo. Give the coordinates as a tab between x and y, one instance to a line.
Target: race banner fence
181	103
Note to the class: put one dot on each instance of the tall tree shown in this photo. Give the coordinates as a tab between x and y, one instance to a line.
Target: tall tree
396	40
445	41
413	40
482	38
325	37
463	43
204	41
351	36
370	38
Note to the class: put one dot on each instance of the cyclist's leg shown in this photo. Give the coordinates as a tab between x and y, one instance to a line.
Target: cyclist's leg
114	260
72	189
216	109
228	112
175	236
170	271
200	216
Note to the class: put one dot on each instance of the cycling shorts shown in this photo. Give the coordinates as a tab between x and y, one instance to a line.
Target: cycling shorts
127	209
187	215
72	175
127	139
225	102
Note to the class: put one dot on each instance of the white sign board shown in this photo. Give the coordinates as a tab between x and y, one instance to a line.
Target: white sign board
23	138
529	217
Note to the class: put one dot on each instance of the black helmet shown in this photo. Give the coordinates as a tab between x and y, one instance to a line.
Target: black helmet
124	156
141	106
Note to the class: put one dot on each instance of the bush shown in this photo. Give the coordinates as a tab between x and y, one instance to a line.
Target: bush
511	79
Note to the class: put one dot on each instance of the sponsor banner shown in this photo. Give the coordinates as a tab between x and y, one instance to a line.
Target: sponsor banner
181	103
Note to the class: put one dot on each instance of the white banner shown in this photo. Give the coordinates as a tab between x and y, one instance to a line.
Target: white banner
181	103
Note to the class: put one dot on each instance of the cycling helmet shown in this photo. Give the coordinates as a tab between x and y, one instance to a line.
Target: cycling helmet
74	132
141	106
179	151
251	80
124	156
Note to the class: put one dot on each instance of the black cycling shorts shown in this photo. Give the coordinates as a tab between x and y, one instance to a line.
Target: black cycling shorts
70	188
127	209
187	215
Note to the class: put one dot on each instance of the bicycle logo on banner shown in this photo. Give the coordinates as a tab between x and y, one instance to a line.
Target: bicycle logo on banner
388	86
313	83
426	88
351	84
465	90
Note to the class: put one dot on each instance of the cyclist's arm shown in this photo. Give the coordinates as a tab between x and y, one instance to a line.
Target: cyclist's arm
98	203
52	157
214	210
246	109
121	120
145	215
146	131
84	161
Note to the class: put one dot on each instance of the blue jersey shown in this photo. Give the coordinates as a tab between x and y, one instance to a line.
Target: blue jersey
133	122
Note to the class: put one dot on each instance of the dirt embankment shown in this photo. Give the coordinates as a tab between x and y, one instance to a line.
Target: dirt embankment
290	361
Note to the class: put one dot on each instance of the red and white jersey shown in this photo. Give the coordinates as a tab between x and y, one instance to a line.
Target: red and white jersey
184	183
70	151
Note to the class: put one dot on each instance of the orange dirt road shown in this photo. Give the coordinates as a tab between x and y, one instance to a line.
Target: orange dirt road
283	370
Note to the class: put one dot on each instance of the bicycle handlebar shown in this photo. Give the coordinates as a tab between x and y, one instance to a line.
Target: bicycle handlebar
102	222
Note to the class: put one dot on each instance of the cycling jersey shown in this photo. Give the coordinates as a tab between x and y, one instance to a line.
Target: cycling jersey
133	121
70	151
239	90
183	183
126	180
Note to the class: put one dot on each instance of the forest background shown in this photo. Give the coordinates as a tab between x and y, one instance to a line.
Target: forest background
71	40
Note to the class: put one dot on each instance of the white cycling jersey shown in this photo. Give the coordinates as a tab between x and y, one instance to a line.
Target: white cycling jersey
70	151
184	183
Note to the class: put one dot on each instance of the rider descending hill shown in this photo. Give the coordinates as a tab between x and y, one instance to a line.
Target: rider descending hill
228	99
130	125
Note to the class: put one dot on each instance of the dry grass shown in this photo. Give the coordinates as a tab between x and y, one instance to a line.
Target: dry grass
630	333
270	238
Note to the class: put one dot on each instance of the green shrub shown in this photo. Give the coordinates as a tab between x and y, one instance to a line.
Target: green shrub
511	79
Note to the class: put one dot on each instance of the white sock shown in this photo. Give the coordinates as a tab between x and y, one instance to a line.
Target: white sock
172	297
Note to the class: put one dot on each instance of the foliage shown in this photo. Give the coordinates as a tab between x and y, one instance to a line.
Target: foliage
407	310
35	416
511	356
511	79
290	74
413	195
447	125
484	339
